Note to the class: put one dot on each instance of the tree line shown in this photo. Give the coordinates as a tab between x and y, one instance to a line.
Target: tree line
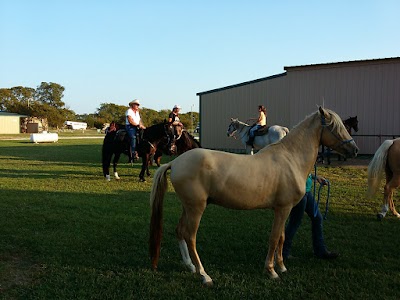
46	102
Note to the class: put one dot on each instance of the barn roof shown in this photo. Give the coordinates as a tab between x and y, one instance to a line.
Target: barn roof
312	66
241	84
9	114
344	63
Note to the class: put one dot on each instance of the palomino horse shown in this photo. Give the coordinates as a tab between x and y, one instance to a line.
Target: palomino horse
201	177
275	133
386	160
350	123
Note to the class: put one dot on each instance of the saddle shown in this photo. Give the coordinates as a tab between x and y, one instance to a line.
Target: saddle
262	130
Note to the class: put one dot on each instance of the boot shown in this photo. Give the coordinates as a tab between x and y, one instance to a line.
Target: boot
250	141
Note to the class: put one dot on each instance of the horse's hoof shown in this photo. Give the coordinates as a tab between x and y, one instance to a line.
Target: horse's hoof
142	180
108	177
207	281
208	284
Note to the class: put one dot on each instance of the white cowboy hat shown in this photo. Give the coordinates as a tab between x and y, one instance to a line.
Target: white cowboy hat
177	106
136	101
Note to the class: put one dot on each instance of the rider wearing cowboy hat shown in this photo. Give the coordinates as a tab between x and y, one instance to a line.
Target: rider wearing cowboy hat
173	119
133	123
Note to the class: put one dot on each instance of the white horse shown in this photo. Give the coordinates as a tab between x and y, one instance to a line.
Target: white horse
273	178
275	133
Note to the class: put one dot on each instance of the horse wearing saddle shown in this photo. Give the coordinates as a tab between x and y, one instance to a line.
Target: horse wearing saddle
262	130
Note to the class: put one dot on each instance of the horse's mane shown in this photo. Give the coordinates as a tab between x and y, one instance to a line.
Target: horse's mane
335	121
149	131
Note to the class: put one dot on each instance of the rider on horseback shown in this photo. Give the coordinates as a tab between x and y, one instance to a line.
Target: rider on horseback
133	123
260	122
173	119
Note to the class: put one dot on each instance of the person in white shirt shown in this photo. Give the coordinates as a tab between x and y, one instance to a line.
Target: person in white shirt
133	123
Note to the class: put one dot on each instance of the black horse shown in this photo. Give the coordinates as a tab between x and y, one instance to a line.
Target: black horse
182	143
117	142
350	123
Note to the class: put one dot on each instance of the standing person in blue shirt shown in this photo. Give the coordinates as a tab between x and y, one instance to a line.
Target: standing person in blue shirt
133	123
308	205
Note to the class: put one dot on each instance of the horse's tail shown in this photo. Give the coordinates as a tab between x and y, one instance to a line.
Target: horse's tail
376	167
285	129
160	185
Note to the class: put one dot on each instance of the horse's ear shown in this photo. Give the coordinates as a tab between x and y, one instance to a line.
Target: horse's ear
323	112
231	119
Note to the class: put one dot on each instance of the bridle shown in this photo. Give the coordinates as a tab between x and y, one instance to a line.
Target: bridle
340	141
233	134
169	143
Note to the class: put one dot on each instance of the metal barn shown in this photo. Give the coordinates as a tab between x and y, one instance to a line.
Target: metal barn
368	89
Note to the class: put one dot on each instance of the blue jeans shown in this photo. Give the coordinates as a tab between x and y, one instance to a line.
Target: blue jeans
308	205
253	130
132	130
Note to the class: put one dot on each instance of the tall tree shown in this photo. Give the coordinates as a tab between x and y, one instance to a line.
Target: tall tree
50	94
109	112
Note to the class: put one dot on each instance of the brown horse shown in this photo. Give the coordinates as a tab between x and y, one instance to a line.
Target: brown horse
386	160
273	178
182	143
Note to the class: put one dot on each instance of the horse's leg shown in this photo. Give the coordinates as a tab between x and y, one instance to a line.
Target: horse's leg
180	233
279	256
276	242
115	162
191	222
106	166
157	158
388	192
249	150
149	157
145	163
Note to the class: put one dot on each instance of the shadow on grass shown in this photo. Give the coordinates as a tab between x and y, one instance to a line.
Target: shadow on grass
81	239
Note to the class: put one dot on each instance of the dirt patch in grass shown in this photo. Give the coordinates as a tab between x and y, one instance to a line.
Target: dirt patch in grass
17	270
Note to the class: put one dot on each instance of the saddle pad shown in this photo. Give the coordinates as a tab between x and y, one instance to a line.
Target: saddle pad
261	131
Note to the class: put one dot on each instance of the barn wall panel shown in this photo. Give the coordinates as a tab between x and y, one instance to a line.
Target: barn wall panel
368	89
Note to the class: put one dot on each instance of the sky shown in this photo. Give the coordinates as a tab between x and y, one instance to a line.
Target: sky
165	52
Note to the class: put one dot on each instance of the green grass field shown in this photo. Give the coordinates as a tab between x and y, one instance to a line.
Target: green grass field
66	233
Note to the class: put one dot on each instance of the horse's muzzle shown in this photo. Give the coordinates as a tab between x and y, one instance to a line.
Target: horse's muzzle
351	149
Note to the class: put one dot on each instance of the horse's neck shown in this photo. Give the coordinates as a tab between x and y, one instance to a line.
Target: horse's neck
244	132
348	127
303	142
153	134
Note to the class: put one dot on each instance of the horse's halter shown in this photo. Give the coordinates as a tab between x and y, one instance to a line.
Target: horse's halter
340	141
167	135
233	134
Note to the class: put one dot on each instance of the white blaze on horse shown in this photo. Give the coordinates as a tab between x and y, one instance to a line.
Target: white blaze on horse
272	134
201	177
386	161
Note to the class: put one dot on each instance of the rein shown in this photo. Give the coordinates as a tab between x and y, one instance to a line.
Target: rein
239	131
340	143
319	194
